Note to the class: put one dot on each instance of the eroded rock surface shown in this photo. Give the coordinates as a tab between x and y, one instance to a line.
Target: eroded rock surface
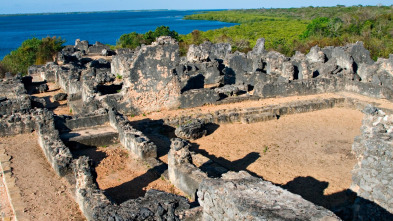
372	179
151	84
239	196
191	130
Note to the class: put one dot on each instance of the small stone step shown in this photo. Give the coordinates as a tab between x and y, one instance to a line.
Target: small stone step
258	117
88	137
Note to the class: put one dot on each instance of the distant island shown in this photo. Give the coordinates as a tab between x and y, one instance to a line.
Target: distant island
111	11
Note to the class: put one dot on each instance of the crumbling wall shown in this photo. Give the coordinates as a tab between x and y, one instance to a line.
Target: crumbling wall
68	78
57	154
13	97
90	198
372	178
239	196
121	63
330	69
208	51
99	117
17	123
12	87
151	84
257	114
181	171
15	108
132	139
47	72
298	88
198	97
41	121
14	105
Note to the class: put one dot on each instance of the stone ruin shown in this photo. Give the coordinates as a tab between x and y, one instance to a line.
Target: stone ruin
101	92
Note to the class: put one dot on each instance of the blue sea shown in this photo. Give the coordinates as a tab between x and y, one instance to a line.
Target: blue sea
105	27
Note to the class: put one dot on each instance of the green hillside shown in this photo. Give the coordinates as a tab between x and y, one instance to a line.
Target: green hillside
298	29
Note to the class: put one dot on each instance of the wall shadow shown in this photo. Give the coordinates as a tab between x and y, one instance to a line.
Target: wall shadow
236	165
91	152
345	204
161	134
312	190
134	188
46	104
211	128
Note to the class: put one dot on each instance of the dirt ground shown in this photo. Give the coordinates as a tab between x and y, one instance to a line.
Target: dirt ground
58	107
122	176
308	153
45	195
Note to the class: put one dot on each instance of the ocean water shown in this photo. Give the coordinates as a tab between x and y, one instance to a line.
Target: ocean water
105	27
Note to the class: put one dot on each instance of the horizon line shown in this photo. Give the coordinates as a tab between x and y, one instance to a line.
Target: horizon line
131	10
141	10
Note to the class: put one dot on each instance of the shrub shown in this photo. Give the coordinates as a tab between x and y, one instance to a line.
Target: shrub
32	51
133	40
48	49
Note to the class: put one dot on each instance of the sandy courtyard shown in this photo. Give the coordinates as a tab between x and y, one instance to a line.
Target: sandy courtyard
122	176
308	153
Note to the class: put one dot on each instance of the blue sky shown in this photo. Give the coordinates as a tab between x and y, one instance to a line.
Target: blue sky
37	6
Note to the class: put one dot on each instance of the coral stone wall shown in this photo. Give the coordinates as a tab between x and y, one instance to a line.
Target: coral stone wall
373	175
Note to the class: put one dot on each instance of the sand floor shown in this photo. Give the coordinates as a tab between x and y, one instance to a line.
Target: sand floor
45	195
308	153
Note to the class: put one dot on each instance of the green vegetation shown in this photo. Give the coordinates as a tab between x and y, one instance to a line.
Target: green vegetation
266	149
285	30
32	51
243	37
133	40
299	29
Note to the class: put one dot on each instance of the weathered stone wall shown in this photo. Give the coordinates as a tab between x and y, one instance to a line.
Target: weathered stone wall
11	87
47	72
155	77
96	118
369	89
208	52
372	177
151	83
41	121
181	171
97	48
57	154
121	63
198	97
132	139
257	114
69	80
14	105
17	123
298	88
239	196
13	98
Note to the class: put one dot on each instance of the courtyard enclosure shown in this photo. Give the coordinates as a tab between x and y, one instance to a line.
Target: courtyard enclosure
220	134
